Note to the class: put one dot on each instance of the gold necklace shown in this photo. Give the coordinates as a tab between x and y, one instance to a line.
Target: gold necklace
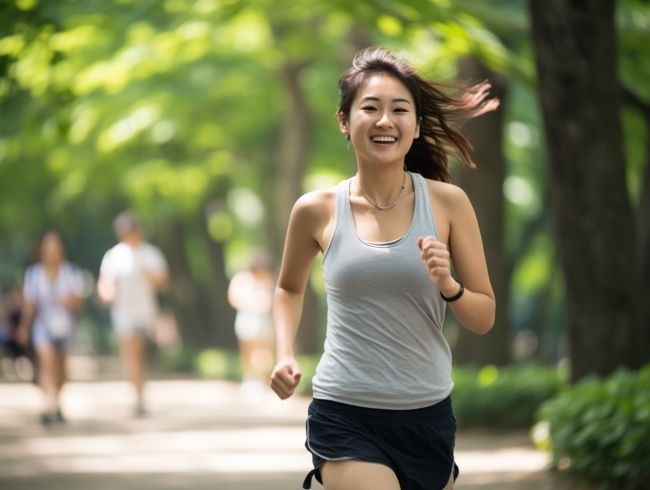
383	208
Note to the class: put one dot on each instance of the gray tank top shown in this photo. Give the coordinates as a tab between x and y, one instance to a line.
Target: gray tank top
384	346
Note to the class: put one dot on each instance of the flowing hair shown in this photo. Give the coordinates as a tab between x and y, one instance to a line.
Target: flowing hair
435	110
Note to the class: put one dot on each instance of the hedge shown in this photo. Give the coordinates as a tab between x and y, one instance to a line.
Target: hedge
599	430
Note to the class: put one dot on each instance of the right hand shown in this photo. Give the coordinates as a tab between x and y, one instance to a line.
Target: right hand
286	376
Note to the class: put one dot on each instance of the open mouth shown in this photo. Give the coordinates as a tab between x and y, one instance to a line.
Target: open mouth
383	139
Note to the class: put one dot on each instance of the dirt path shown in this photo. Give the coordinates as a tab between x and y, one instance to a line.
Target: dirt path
202	435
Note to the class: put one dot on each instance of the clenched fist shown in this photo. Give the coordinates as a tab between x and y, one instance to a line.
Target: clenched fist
286	376
437	261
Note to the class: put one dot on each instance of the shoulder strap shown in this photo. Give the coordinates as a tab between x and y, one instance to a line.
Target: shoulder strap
426	221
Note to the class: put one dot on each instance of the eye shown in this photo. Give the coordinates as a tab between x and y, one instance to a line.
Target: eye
401	109
368	108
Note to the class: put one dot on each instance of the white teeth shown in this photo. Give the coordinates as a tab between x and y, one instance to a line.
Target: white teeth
387	139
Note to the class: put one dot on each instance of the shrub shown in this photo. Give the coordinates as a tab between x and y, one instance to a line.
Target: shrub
599	430
308	369
507	397
218	364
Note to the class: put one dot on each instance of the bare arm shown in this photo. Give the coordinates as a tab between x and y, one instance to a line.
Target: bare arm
159	280
301	247
475	310
238	290
26	320
106	289
72	302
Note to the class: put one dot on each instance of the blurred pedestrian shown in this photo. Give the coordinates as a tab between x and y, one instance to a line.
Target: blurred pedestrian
11	307
251	292
381	417
53	292
18	359
130	275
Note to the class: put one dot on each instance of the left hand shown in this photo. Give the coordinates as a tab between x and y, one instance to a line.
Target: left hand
69	302
437	260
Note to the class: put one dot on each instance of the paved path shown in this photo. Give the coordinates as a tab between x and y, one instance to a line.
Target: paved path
201	435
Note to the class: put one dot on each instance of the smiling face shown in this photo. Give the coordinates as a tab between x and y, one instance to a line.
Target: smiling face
382	122
52	252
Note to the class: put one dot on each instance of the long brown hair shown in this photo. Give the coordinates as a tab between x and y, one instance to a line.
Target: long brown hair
37	246
435	110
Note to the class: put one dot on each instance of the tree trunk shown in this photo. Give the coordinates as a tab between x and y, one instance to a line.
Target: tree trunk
484	187
288	171
575	48
643	228
643	240
222	315
185	295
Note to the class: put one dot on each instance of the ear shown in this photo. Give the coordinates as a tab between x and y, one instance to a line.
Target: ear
417	129
343	124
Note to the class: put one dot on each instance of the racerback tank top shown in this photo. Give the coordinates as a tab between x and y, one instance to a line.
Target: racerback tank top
384	346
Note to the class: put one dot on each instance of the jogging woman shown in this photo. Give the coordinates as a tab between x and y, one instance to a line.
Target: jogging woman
53	292
381	417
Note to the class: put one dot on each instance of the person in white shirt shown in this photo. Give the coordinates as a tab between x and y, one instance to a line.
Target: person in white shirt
130	275
53	291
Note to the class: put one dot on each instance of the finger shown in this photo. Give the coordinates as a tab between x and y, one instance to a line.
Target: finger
436	253
284	378
430	243
437	263
430	239
282	393
280	387
420	241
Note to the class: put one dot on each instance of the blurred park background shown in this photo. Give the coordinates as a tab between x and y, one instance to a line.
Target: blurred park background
209	118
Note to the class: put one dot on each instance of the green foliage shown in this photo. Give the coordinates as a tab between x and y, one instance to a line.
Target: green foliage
599	430
218	364
181	361
308	368
502	397
172	107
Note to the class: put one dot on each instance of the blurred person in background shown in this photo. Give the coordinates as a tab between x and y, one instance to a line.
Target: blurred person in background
130	275
251	293
53	292
18	360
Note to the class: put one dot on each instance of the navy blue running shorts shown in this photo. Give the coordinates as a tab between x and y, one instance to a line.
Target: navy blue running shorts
418	445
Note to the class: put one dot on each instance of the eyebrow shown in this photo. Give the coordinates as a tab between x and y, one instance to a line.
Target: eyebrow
370	97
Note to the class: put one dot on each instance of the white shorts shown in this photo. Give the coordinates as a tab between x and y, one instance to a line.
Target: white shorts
253	326
127	325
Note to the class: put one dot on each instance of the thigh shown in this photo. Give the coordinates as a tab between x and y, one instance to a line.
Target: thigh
357	475
47	361
133	346
61	364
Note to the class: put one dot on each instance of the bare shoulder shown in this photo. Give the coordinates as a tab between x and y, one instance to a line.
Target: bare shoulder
315	202
311	217
448	195
315	208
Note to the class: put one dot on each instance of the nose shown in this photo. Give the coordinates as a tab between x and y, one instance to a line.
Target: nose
384	121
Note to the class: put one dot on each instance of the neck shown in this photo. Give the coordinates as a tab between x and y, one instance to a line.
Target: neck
382	185
51	266
132	242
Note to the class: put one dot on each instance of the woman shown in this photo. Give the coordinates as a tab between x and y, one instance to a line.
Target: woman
53	291
250	292
381	418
